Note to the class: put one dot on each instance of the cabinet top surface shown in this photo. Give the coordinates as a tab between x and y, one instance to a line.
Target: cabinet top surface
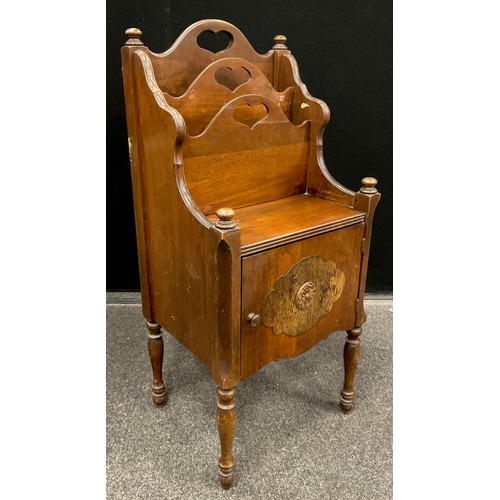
267	225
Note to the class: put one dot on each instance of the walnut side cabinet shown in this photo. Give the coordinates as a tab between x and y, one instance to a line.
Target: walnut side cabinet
249	250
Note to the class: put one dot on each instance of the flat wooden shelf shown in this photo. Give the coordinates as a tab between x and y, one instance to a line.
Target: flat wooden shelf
267	225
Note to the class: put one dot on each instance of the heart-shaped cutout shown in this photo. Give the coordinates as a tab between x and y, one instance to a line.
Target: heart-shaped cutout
250	114
232	78
215	42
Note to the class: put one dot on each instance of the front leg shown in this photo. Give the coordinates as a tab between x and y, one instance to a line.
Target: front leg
155	349
226	422
351	357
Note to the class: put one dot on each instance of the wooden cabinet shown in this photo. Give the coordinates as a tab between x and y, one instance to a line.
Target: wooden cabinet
249	250
302	292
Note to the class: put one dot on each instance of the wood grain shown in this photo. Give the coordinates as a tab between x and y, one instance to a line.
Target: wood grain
210	92
155	350
302	296
366	202
275	223
249	250
273	153
260	272
351	359
226	423
178	67
180	243
127	53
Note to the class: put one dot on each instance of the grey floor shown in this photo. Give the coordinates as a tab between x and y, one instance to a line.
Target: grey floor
291	440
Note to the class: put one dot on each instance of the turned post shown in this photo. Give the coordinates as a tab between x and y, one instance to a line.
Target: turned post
155	349
226	422
280	49
351	358
366	200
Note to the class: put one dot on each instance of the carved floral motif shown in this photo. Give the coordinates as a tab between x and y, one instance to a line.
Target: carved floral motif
305	295
302	296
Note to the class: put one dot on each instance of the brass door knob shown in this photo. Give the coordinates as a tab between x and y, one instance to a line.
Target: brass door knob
254	319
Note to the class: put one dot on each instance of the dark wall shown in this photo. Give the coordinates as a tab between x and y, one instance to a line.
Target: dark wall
344	51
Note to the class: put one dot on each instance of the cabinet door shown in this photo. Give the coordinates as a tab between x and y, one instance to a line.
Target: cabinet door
302	292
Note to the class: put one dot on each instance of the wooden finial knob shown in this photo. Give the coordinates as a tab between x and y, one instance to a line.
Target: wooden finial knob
279	42
133	35
369	184
225	216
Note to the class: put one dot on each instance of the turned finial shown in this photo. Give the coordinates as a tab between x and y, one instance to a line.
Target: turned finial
279	42
225	216
133	35
369	184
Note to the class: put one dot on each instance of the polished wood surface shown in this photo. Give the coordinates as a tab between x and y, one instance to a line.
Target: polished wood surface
178	67
155	350
218	84
174	239
277	222
259	345
226	422
366	200
272	152
351	358
249	250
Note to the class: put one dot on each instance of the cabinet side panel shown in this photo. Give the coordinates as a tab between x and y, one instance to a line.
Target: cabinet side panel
180	251
128	88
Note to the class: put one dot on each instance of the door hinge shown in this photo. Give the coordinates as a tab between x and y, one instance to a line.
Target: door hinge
363	242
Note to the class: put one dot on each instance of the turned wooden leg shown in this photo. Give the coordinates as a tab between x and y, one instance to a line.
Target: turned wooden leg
351	357
155	348
226	421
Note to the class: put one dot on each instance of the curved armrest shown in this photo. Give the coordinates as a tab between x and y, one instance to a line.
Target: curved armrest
306	107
